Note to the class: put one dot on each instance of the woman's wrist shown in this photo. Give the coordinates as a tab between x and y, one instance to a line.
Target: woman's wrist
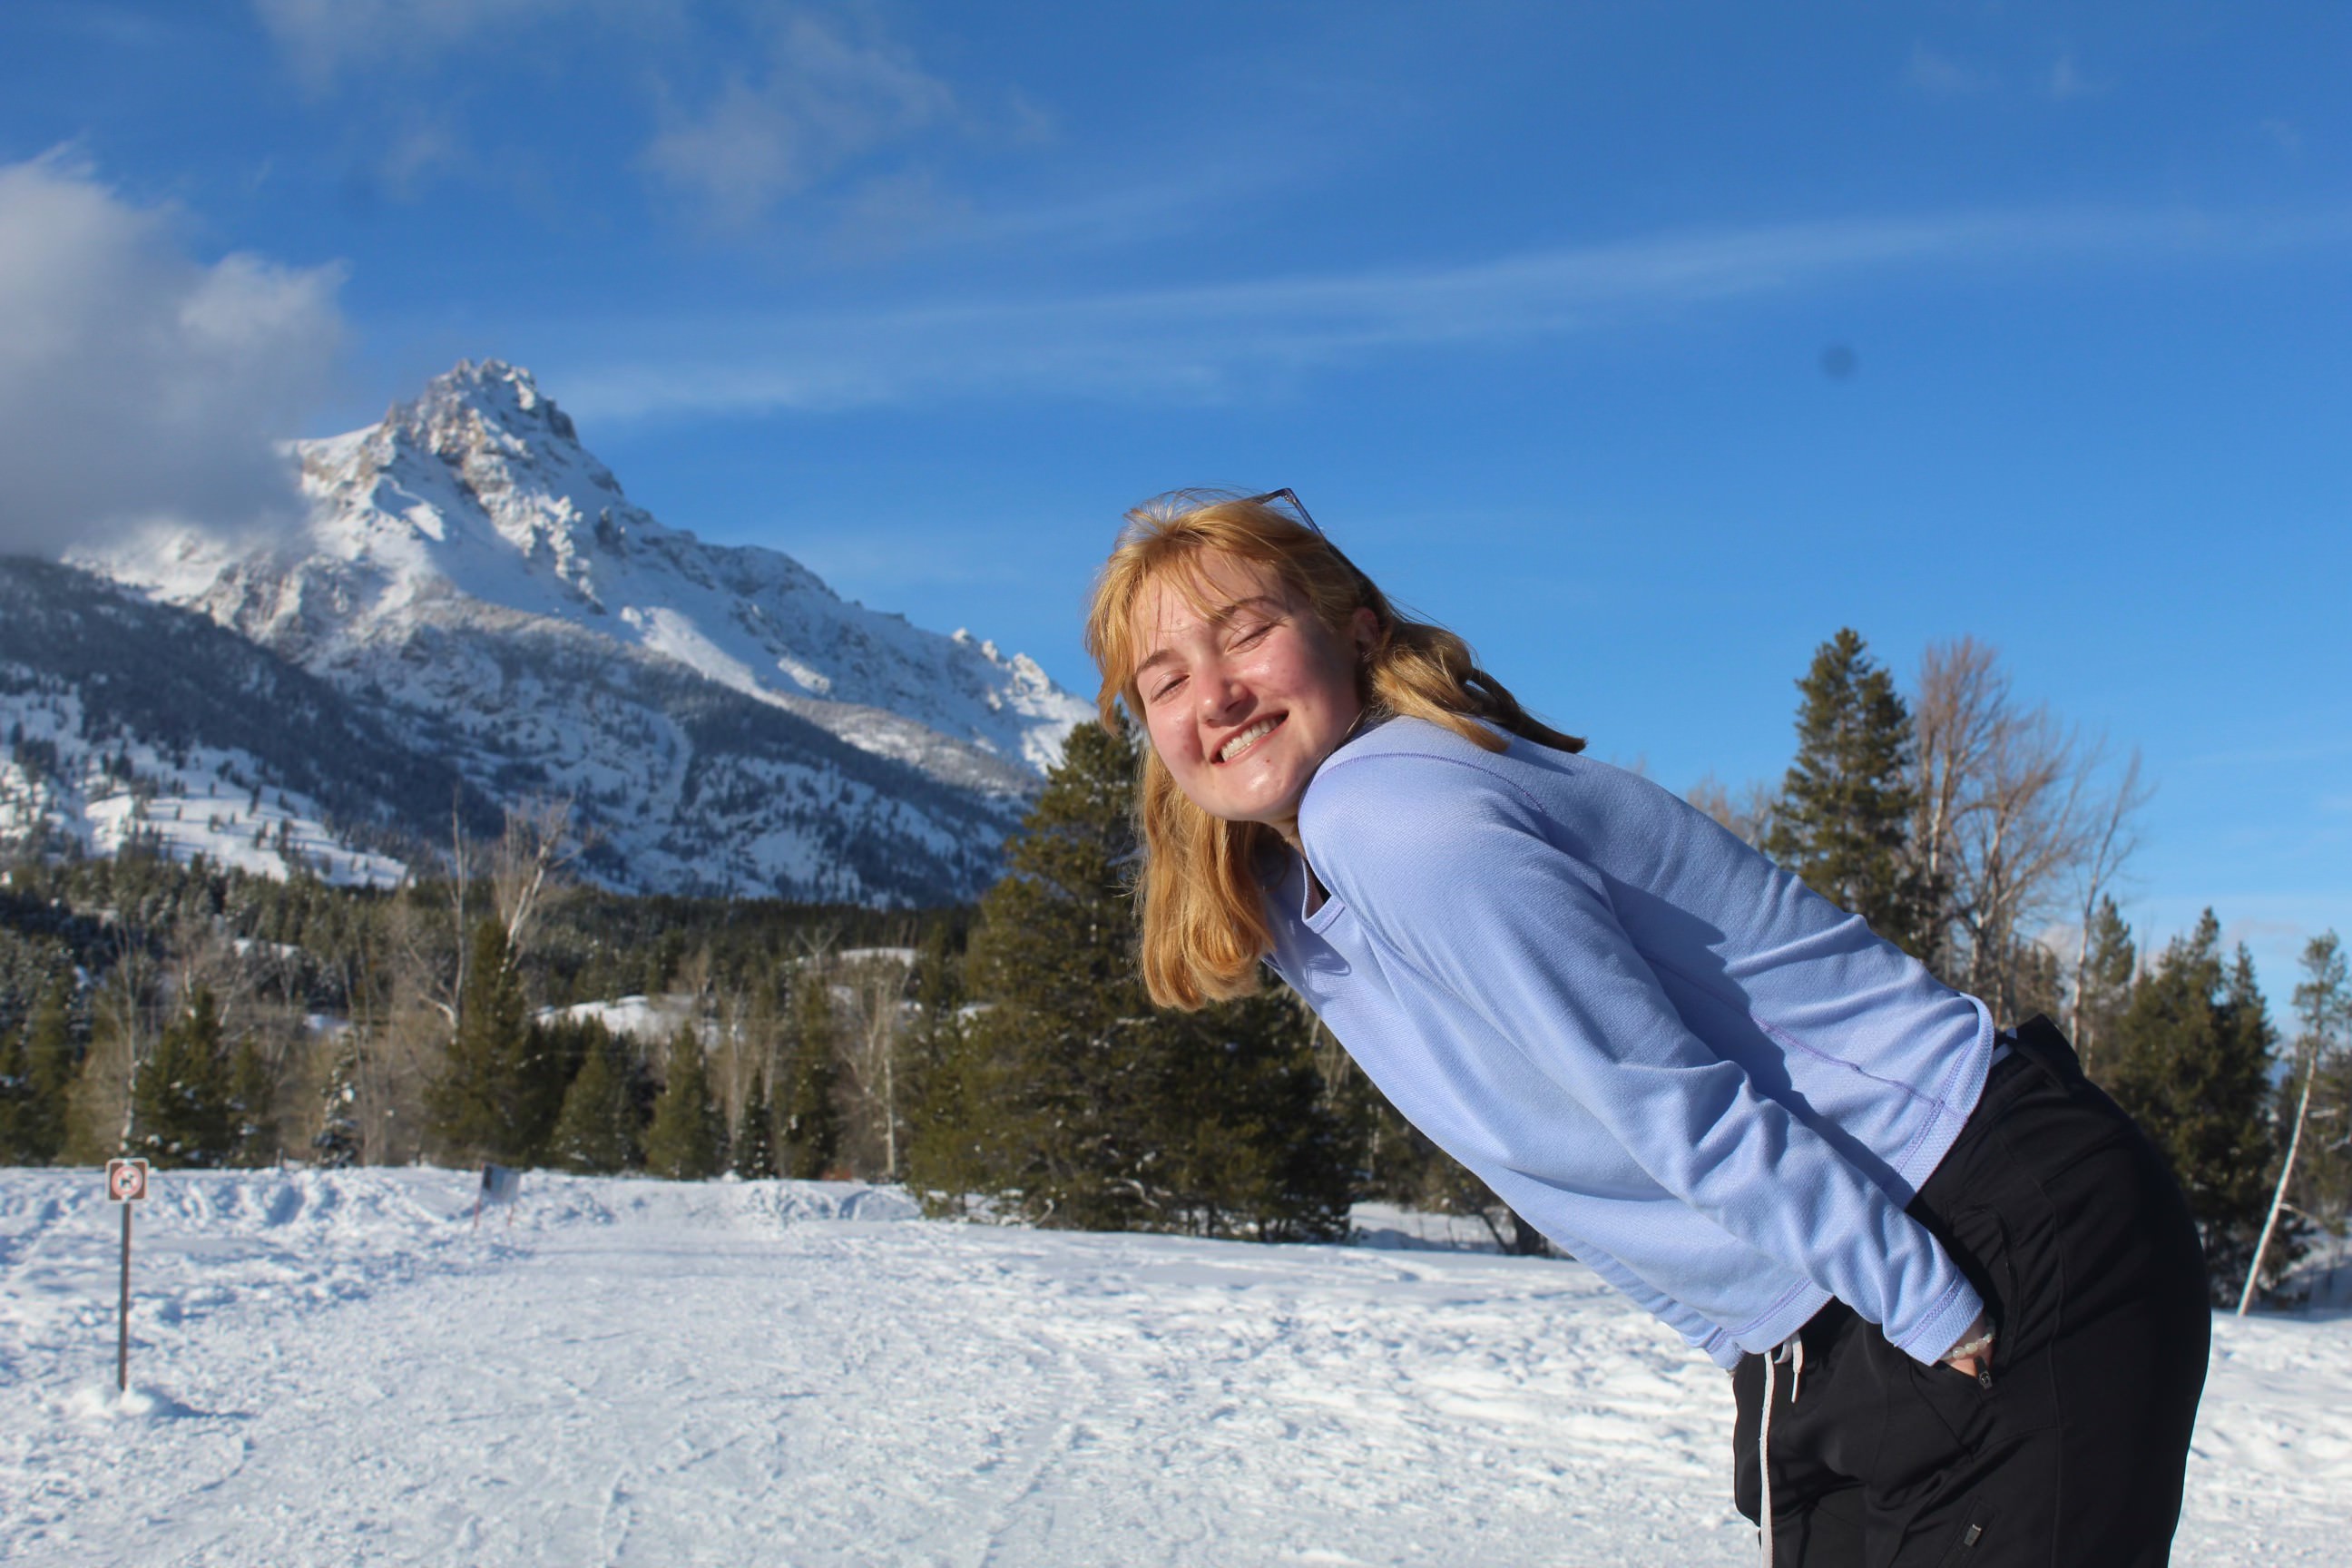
1974	1342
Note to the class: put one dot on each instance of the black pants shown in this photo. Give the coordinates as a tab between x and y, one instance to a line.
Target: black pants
2069	1224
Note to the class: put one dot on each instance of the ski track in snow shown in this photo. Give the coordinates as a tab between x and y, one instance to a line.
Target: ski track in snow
336	1368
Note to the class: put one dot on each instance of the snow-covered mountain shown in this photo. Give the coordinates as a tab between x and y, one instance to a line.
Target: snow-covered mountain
128	720
723	719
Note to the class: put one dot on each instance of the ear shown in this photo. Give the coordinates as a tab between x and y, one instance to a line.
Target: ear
1364	629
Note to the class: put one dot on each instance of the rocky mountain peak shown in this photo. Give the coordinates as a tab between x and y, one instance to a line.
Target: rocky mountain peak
473	576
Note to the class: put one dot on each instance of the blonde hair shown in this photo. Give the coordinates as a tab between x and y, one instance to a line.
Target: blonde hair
1201	894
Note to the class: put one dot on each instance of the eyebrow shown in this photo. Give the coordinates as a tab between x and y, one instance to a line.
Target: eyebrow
1218	617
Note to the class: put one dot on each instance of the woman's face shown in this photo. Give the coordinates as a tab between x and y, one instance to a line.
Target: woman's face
1244	699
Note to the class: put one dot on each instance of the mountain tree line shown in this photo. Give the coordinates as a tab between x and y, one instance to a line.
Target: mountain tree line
201	1016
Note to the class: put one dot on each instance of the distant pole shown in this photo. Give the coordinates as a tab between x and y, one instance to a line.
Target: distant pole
123	1323
126	1184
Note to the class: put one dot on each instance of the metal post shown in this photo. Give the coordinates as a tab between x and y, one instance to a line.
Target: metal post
122	1335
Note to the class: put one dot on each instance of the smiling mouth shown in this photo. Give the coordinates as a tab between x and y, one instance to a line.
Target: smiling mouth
1242	742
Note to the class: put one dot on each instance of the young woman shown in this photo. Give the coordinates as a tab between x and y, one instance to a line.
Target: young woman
1961	1299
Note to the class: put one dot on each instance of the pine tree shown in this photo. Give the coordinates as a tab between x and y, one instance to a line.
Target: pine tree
2192	1062
686	1142
2321	1188
36	1069
16	1100
253	1125
183	1110
808	1119
2103	987
1843	819
502	1084
50	1060
597	1132
754	1144
1084	1106
472	1104
336	1145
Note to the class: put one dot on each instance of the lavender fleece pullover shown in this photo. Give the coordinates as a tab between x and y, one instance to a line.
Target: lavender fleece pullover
1711	1085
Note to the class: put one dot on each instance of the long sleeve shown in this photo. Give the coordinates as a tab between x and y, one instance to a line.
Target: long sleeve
1480	901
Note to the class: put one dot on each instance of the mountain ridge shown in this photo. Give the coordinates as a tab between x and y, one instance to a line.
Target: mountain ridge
470	573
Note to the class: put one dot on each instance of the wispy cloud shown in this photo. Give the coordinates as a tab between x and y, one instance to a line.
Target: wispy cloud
824	100
322	40
136	380
1940	75
1191	344
2066	82
2266	756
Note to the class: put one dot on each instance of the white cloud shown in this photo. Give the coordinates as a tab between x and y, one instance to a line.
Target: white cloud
323	38
135	381
824	101
2289	139
1178	344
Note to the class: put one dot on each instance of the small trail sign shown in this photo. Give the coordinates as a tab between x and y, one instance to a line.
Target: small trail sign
126	1180
126	1184
501	1185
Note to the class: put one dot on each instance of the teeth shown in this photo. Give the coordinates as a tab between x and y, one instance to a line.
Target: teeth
1245	739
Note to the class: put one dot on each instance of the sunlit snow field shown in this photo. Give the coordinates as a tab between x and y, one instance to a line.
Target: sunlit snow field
337	1369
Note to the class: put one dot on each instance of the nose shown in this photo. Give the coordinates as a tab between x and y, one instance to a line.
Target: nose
1223	697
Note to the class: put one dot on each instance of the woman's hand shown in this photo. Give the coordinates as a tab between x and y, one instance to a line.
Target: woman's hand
1972	1352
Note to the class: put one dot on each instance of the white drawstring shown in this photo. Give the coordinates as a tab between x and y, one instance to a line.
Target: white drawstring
1791	1350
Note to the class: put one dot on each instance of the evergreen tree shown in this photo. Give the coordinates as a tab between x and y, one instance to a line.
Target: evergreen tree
36	1069
472	1104
182	1104
1082	1105
686	1142
1843	819
502	1084
938	1130
597	1132
809	1120
2192	1063
336	1145
253	1124
2103	987
18	1104
754	1144
2322	1185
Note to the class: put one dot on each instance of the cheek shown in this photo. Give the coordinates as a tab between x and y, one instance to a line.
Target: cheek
1169	736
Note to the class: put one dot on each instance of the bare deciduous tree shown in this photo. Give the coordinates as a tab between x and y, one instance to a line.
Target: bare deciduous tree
2014	819
526	865
871	985
1749	815
2112	840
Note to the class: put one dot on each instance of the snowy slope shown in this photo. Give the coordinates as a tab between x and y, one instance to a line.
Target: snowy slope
128	719
333	1368
724	720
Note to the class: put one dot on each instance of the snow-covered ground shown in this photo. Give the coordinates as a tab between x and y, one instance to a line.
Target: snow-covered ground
339	1369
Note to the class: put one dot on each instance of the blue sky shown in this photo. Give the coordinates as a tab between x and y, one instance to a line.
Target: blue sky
1645	344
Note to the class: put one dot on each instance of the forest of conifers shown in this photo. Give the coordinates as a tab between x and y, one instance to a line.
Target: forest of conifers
1004	1060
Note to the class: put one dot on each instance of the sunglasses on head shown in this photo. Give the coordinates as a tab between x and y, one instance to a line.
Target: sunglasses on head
1289	498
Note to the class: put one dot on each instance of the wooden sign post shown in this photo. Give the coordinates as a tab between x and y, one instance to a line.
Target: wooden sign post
126	1184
